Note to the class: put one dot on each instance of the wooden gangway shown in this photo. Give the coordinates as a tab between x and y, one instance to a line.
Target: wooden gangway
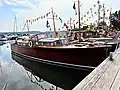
104	77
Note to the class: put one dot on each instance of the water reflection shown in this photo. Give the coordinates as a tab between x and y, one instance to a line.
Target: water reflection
15	77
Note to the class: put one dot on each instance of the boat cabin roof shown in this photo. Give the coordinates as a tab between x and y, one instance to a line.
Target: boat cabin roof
51	39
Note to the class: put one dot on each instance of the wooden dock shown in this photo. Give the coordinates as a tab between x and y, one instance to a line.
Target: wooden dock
105	77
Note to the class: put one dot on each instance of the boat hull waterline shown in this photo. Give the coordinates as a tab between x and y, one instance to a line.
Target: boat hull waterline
78	56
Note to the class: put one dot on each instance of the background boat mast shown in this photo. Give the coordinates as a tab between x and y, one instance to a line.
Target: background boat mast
15	26
28	28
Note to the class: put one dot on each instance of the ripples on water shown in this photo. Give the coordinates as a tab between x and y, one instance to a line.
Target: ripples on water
15	77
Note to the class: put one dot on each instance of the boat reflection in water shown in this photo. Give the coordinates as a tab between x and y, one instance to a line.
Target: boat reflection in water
65	78
15	77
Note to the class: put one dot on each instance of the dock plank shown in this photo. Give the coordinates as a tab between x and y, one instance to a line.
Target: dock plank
104	83
116	83
98	80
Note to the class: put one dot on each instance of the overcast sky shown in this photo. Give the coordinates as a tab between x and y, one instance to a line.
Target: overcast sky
30	9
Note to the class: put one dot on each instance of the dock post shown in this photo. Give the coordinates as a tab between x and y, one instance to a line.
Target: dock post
111	56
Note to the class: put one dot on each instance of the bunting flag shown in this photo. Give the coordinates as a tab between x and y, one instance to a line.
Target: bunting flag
84	15
37	19
100	6
41	17
44	16
47	14
47	24
60	19
74	6
75	9
65	25
50	29
75	12
107	10
91	9
89	17
73	20
94	5
56	16
62	27
88	12
81	18
74	25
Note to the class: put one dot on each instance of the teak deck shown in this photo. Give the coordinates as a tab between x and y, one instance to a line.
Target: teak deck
105	77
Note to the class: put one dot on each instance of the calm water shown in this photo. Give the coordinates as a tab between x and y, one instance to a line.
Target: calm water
15	77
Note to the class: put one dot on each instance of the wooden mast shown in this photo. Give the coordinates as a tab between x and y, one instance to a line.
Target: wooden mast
98	13
103	15
79	14
54	23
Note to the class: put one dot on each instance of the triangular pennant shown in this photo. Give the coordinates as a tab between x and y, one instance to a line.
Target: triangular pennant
56	16
49	13
88	12
26	20
60	19
91	9
75	12
44	16
50	29
41	17
74	25
81	18
37	19
107	10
